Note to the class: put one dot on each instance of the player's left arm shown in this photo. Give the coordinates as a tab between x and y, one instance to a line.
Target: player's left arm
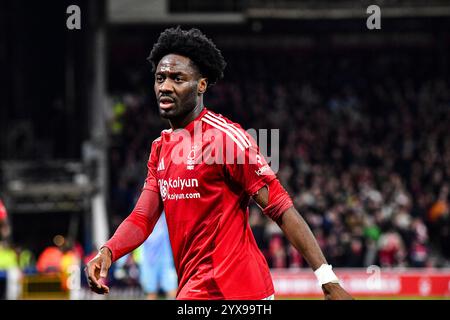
300	235
258	180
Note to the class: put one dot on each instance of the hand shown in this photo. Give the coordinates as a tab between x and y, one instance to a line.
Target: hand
333	291
97	269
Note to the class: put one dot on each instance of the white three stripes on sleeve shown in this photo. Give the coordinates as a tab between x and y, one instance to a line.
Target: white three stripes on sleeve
238	137
226	131
237	131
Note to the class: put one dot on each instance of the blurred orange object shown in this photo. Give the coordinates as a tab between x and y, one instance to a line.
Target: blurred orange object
437	210
49	260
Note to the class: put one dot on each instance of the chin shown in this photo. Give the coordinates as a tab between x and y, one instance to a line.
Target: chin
167	114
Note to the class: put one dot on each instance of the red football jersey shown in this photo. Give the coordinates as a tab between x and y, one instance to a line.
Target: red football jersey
206	174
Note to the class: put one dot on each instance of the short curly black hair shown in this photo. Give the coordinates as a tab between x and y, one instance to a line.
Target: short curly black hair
194	45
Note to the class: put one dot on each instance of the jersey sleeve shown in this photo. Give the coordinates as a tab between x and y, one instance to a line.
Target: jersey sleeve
151	181
249	168
136	228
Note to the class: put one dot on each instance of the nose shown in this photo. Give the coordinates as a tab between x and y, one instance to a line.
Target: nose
166	86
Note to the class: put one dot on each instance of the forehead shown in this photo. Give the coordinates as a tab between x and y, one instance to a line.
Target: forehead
175	63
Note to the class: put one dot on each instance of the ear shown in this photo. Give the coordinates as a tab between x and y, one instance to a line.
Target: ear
202	85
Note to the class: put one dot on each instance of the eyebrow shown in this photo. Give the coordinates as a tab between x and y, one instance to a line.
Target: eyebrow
173	73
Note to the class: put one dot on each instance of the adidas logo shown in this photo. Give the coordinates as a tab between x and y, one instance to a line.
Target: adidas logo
161	165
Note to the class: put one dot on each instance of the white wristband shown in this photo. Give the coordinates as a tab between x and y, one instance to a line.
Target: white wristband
325	274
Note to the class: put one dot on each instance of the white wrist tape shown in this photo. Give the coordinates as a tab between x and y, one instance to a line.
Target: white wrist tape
325	274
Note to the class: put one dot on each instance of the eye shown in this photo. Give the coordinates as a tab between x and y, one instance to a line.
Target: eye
159	78
178	79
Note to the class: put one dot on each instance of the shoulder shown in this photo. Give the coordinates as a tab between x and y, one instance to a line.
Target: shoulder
158	141
219	118
228	129
156	147
156	144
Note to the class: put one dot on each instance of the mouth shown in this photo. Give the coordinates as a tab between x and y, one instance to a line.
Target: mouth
166	103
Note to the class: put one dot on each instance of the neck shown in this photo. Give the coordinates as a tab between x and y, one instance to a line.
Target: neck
183	122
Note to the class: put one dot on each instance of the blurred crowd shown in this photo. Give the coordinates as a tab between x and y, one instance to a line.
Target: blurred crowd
364	150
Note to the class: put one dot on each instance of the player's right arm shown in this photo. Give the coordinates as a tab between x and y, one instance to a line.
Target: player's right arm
132	232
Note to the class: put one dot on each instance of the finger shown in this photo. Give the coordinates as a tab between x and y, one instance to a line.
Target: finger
91	275
93	284
105	289
100	289
104	270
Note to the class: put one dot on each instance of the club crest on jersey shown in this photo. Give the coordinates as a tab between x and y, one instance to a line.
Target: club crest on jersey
190	161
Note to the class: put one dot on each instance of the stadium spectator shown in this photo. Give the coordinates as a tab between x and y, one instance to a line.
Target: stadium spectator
50	260
8	257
